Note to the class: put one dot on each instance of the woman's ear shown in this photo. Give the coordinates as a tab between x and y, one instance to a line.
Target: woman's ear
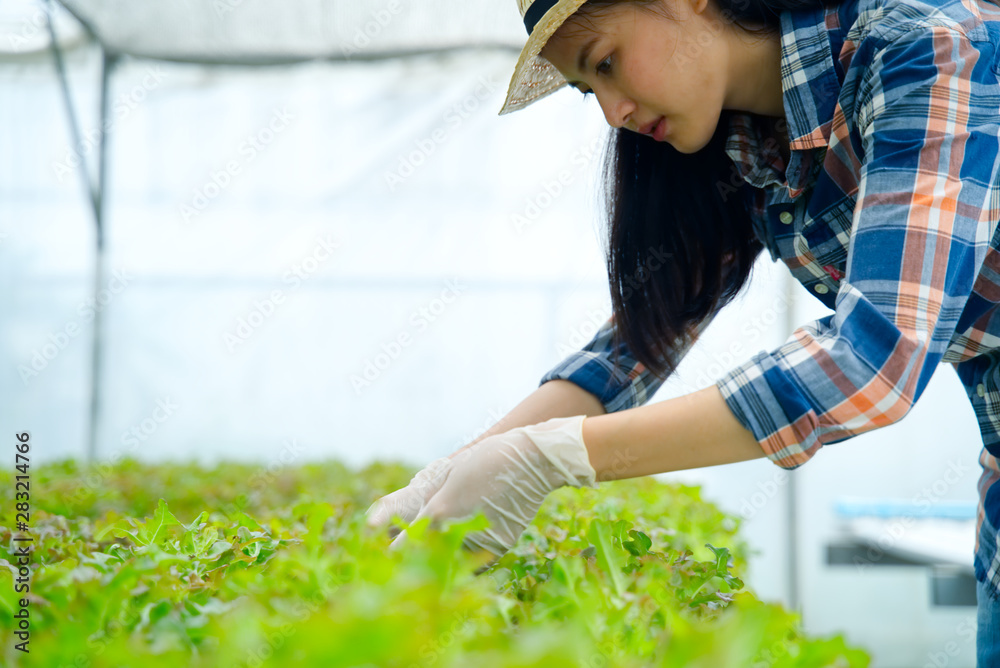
698	6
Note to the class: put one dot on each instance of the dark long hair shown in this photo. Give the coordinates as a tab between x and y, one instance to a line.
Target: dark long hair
680	240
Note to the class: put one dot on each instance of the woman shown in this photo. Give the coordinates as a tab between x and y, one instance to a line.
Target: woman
859	143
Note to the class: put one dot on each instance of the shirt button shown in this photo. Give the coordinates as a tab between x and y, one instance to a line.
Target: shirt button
786	217
821	289
980	390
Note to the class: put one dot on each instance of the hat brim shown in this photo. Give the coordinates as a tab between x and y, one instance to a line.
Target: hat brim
534	77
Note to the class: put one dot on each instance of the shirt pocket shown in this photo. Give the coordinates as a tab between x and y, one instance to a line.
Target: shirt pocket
828	235
985	396
820	247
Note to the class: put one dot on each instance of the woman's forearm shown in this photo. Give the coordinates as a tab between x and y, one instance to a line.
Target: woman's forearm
556	398
686	432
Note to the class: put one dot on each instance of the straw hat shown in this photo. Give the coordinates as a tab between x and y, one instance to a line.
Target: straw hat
534	77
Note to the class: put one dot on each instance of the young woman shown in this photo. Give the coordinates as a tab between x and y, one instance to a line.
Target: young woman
859	142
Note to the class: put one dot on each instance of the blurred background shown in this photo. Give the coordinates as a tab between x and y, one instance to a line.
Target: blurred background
305	233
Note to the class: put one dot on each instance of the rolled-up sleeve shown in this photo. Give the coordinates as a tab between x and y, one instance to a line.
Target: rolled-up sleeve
628	386
926	122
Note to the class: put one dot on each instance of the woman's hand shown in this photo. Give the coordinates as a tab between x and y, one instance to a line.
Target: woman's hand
407	501
506	476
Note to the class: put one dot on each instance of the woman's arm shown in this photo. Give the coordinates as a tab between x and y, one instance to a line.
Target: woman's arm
555	398
686	432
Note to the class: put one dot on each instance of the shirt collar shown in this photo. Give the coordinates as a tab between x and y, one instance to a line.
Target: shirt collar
810	90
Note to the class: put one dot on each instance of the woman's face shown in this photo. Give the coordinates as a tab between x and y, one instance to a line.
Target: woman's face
645	67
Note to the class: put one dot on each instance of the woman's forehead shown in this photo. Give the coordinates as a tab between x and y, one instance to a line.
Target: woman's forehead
600	18
581	27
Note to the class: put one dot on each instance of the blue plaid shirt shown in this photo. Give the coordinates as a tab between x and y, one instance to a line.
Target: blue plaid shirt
886	212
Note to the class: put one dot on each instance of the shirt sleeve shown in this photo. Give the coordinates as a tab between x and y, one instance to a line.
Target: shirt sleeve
592	368
927	121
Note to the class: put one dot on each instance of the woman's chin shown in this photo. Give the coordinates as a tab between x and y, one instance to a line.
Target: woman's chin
683	144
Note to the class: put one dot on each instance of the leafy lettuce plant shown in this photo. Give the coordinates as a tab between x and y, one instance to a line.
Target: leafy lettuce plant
175	565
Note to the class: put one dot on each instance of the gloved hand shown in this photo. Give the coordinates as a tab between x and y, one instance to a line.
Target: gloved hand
507	476
407	501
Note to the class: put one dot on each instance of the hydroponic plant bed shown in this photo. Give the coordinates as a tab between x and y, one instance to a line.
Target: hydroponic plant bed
174	565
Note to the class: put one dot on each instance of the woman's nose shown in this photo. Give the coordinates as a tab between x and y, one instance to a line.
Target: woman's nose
617	109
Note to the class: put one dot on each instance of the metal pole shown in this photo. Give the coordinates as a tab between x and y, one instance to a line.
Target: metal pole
95	193
107	63
792	522
74	124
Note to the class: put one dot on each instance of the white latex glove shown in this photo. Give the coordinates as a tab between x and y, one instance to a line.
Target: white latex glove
407	501
507	476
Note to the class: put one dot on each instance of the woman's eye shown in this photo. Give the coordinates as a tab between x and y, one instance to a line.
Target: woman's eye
604	67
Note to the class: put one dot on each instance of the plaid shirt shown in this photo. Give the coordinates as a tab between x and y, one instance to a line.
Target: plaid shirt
886	212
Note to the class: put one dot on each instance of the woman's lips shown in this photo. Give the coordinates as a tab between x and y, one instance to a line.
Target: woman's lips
660	130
